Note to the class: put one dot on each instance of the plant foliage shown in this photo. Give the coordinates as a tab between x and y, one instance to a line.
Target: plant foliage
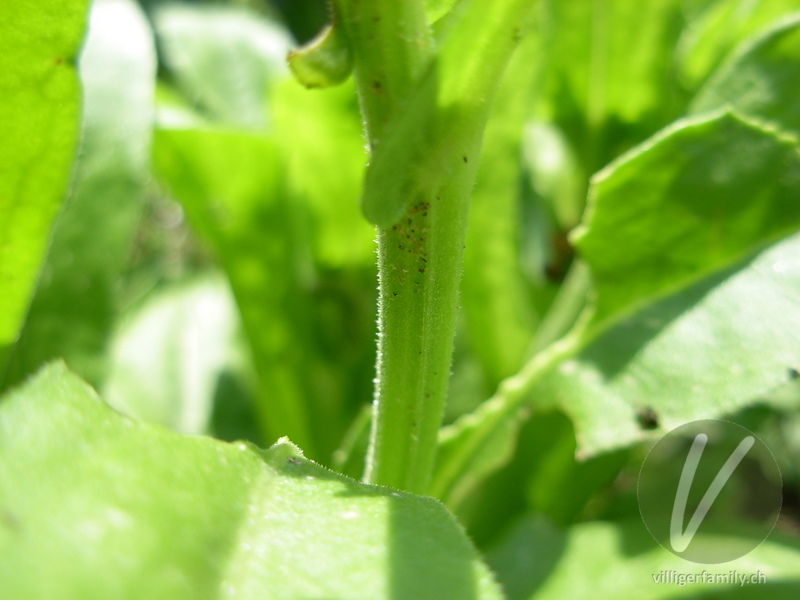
587	223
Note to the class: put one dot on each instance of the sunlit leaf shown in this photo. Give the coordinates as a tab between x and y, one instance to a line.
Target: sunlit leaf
76	302
718	26
95	505
707	351
39	121
686	325
603	95
320	132
233	191
762	79
695	199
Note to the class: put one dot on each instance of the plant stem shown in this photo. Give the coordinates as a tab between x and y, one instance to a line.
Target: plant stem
392	47
419	264
425	109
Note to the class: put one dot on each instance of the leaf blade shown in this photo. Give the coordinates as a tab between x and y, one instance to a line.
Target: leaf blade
694	200
39	110
74	307
476	444
135	511
760	79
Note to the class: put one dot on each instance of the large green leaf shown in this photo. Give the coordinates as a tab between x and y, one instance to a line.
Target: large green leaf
706	196
223	59
233	191
761	79
299	324
281	235
75	304
707	351
601	560
39	116
696	198
94	505
686	326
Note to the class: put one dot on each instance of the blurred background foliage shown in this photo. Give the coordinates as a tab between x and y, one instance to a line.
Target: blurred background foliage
211	271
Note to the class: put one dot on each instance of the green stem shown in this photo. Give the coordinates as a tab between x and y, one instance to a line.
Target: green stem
419	265
425	109
392	46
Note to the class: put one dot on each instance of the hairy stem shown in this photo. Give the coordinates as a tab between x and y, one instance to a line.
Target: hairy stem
425	104
419	267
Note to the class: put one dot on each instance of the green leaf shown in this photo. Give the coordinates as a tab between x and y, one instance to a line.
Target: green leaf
224	59
603	560
761	79
557	484
544	477
665	231
604	96
320	132
76	302
167	357
232	188
704	352
716	28
95	505
39	112
325	61
696	198
696	320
